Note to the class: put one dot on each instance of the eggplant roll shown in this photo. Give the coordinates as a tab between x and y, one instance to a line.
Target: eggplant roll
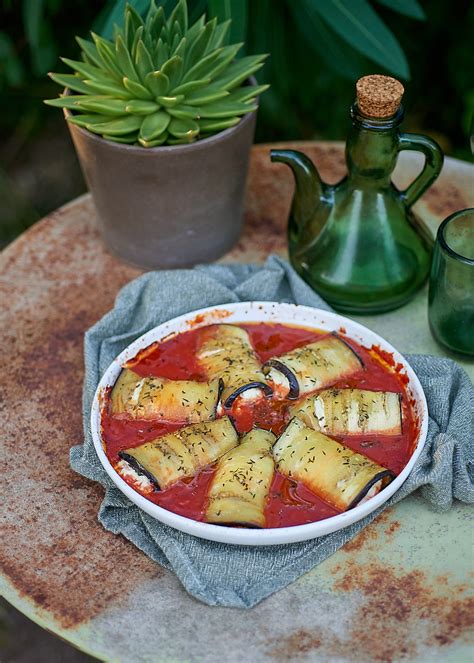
331	470
159	398
225	352
182	453
239	490
313	366
356	411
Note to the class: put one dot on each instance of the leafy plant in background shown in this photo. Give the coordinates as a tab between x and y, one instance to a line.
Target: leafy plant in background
37	17
302	35
160	81
317	21
312	67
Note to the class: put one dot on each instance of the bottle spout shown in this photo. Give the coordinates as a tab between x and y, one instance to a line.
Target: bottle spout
309	188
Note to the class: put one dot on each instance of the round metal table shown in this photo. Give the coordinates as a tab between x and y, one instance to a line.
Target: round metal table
400	590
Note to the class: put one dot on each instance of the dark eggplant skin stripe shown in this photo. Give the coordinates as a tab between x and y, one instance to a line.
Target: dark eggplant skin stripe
288	373
366	488
232	421
336	335
220	389
219	394
401	412
251	385
284	430
133	462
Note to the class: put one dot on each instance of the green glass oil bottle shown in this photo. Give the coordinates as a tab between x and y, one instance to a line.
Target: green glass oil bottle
358	243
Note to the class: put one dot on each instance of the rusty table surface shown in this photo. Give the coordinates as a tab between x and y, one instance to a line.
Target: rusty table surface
401	590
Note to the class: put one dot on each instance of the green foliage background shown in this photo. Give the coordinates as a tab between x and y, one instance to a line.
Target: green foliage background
318	48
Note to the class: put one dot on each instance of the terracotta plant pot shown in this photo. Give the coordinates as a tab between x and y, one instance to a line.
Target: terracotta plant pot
168	206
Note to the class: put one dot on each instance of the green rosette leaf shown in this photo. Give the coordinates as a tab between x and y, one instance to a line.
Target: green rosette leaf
159	80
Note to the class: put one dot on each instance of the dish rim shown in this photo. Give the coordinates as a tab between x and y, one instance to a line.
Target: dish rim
241	313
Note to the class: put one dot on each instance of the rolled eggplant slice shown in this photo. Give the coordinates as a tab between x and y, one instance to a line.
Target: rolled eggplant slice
159	398
182	453
239	489
331	470
351	411
313	366
226	352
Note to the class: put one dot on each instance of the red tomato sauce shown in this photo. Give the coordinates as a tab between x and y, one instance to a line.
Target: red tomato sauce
289	502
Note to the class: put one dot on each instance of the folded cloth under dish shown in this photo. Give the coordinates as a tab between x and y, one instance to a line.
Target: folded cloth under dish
236	576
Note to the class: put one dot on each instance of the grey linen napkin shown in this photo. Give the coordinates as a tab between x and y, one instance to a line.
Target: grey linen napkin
235	576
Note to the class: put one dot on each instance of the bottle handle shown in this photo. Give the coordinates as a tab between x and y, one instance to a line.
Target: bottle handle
431	169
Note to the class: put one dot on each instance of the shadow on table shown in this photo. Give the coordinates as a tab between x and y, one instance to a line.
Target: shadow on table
23	641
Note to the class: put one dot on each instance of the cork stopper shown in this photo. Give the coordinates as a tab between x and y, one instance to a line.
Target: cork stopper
379	96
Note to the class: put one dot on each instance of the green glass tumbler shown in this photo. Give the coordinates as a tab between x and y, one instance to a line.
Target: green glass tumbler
451	292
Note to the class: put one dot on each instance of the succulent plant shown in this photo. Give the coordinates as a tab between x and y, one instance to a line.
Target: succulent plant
159	81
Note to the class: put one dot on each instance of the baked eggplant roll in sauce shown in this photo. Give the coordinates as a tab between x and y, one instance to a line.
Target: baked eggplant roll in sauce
356	411
240	486
159	398
338	475
310	367
182	453
226	352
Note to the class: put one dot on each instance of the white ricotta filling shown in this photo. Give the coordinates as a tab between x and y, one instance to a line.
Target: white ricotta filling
126	470
210	353
281	382
372	492
341	485
248	396
134	398
251	394
319	413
